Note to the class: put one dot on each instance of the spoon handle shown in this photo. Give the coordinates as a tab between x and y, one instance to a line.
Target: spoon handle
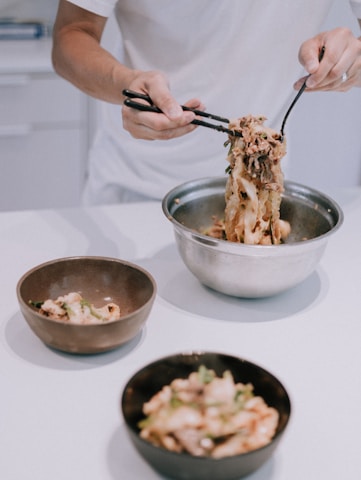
299	93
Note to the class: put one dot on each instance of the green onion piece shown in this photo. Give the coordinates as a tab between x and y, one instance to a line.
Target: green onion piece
205	375
35	304
68	310
86	303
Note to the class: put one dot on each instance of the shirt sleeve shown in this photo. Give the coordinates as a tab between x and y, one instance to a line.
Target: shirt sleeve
101	7
356	7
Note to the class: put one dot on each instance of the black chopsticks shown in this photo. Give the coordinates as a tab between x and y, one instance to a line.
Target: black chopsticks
150	107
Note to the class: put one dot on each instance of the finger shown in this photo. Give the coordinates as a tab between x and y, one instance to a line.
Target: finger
142	131
155	85
297	85
175	133
196	104
159	121
162	98
151	126
337	78
309	54
341	49
342	84
342	54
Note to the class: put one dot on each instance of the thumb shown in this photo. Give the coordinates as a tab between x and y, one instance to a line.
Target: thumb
309	55
170	107
161	96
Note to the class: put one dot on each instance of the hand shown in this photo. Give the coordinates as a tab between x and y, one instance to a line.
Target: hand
342	56
172	123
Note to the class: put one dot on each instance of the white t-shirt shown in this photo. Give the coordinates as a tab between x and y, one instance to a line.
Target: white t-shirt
238	57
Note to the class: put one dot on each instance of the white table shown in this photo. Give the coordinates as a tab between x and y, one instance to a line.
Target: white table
59	414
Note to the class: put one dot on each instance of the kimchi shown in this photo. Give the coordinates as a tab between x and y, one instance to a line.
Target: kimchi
208	416
73	308
255	184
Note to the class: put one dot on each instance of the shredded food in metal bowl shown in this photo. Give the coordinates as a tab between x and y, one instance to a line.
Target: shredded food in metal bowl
254	185
206	415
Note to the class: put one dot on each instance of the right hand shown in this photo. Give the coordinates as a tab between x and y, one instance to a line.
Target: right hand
342	55
172	123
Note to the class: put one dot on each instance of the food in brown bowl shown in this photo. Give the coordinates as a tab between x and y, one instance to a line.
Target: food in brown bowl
101	281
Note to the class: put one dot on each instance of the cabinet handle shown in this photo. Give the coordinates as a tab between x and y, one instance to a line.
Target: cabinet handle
15	130
14	80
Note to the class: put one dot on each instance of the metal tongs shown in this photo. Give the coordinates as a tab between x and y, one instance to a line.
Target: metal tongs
150	107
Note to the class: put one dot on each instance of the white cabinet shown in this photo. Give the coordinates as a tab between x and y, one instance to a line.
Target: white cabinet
43	131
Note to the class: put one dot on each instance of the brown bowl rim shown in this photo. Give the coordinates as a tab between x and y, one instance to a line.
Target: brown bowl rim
25	305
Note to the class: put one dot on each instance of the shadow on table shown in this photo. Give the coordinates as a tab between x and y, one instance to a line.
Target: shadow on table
179	287
102	237
122	458
26	345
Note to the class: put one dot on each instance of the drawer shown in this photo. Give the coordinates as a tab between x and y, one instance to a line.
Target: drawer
44	169
39	98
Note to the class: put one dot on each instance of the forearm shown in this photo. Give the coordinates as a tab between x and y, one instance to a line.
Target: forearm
90	68
78	56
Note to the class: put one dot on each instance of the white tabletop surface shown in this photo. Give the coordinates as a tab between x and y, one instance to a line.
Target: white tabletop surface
59	413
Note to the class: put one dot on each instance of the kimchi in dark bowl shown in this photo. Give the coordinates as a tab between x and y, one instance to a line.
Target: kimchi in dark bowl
250	271
180	466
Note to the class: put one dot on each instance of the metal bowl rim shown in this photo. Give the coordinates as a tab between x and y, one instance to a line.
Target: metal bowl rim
234	246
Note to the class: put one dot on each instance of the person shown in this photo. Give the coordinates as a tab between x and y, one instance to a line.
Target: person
230	57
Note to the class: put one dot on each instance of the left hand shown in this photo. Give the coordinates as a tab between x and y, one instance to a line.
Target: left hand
340	68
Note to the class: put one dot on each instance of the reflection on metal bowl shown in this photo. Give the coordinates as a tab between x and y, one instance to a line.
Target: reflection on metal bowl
250	271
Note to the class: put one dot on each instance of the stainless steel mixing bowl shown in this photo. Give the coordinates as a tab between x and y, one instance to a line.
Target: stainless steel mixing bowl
250	271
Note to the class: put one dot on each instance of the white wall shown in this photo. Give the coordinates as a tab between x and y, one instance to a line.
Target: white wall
324	129
44	10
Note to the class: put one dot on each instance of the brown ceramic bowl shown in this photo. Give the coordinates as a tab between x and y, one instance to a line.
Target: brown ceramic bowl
183	466
100	280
